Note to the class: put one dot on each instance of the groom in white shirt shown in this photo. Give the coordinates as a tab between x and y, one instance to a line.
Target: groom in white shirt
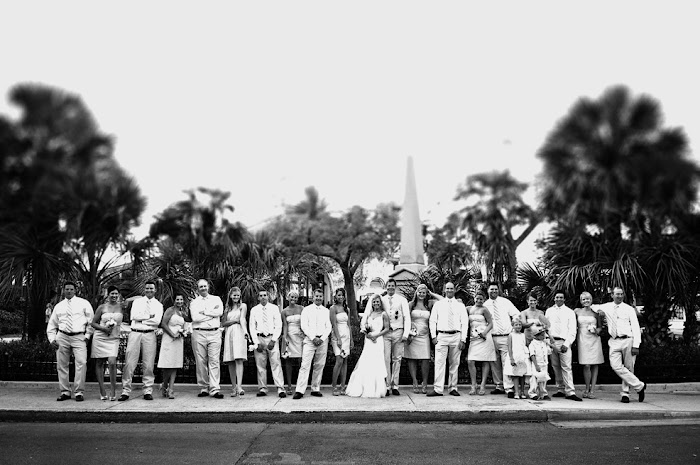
449	328
316	325
562	331
266	328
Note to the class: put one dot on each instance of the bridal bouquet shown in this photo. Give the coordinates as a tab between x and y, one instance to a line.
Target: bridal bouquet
368	328
591	328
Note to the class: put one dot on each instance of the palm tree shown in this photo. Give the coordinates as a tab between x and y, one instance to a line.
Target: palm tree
495	208
621	187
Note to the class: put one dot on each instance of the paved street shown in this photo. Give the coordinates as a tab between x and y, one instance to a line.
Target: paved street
353	443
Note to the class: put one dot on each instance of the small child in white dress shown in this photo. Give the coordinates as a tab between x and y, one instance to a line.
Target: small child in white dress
539	350
518	355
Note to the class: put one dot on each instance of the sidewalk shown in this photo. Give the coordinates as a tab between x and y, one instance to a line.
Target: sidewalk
36	402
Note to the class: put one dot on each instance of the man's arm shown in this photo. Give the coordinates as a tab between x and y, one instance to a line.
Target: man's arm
277	323
305	324
197	312
432	322
328	327
52	327
138	310
406	318
571	328
636	330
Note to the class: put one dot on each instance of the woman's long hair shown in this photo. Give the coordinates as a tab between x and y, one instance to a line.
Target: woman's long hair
229	300
426	300
345	298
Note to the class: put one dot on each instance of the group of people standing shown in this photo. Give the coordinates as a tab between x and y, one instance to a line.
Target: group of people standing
512	345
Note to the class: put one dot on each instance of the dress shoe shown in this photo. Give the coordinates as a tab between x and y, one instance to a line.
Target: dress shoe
316	394
282	394
454	393
79	398
261	394
625	400
511	395
147	397
123	397
498	391
297	395
558	394
641	393
574	397
218	395
433	394
395	392
533	398
203	394
388	392
546	398
63	397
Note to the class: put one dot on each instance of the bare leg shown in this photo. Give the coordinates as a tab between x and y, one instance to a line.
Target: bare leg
516	385
171	381
413	370
485	370
587	377
594	377
425	372
232	374
113	375
344	373
471	364
239	374
100	374
336	371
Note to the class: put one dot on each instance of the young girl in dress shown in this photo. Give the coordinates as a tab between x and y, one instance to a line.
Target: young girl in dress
539	350
519	366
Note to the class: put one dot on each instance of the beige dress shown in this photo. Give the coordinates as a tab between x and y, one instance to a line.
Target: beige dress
107	345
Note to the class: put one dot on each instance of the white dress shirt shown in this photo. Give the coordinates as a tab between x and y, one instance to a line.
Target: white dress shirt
316	322
396	306
449	315
70	316
562	321
273	325
206	312
146	313
502	313
622	321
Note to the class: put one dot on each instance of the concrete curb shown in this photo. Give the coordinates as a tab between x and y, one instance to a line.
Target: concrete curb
61	416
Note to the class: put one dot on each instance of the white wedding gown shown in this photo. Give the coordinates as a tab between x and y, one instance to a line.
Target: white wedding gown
368	379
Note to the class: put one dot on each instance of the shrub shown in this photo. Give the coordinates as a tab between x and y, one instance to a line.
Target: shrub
10	322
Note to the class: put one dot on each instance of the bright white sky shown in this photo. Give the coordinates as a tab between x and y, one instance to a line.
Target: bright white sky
266	98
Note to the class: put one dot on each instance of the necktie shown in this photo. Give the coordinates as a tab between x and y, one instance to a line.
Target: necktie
612	322
69	320
390	299
148	307
264	319
450	317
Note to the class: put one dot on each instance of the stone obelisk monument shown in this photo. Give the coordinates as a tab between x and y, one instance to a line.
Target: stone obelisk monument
412	256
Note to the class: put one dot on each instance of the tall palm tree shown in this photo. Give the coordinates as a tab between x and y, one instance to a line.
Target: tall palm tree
495	208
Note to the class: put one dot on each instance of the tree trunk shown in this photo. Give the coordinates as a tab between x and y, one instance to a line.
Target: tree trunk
350	292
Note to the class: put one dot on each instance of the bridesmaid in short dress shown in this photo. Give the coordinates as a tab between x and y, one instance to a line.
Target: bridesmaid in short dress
292	337
481	348
590	349
105	342
172	349
417	347
236	339
341	341
532	318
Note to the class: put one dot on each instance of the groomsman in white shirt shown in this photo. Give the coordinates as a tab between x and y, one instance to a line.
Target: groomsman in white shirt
206	311
449	328
625	338
266	325
146	313
502	313
316	326
396	307
562	331
67	331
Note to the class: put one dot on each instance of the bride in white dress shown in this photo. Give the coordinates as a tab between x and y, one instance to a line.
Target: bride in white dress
368	379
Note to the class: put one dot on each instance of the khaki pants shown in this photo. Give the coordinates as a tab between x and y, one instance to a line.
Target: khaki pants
446	350
562	369
143	344
261	359
393	353
206	346
622	362
317	355
66	345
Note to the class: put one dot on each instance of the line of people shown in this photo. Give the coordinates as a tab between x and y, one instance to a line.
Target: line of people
512	345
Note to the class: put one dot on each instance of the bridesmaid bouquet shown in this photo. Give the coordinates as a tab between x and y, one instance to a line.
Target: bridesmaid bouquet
413	332
476	332
111	323
591	328
343	354
251	347
285	354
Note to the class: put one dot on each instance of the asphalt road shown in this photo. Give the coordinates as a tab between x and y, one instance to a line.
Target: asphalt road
319	443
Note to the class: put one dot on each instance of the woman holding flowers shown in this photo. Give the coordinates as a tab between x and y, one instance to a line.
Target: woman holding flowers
341	340
235	339
105	342
590	349
417	347
172	346
481	348
292	337
368	379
